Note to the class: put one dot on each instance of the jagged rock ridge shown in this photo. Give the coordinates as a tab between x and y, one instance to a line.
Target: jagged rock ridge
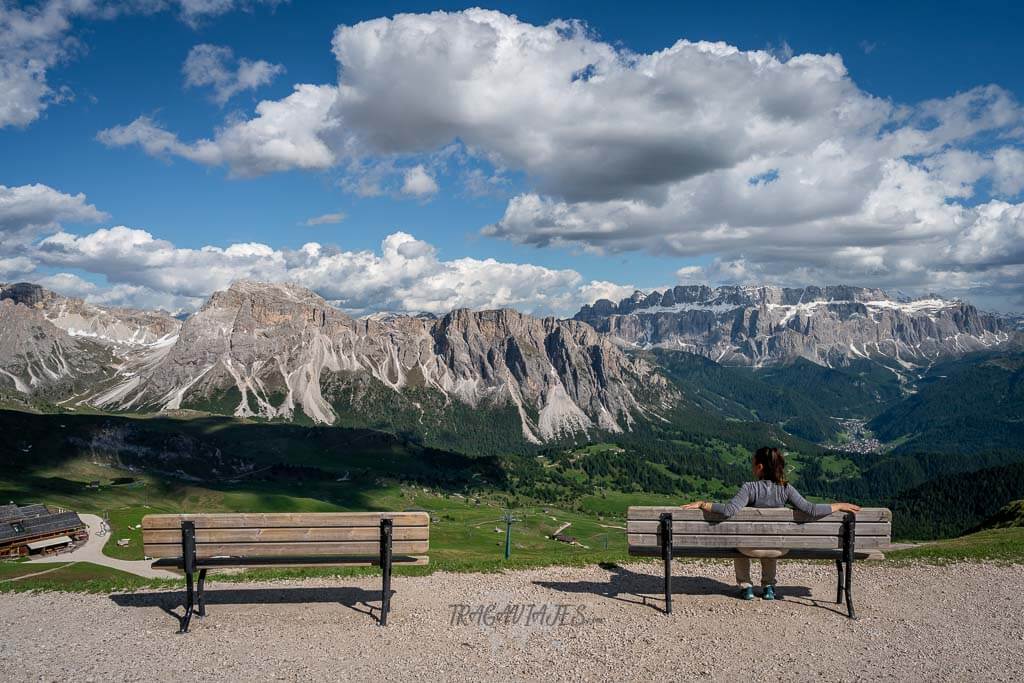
54	346
827	325
277	345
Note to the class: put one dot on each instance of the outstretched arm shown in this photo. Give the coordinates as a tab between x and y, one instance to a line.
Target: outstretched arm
794	498
738	502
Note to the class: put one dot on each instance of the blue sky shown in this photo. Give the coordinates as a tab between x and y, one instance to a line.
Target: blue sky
629	226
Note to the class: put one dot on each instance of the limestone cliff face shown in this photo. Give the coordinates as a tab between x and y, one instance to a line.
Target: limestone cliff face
272	346
38	360
827	325
117	327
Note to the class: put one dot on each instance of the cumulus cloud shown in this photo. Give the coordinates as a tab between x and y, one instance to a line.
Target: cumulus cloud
772	164
291	133
120	295
602	289
406	275
1008	171
418	182
215	66
28	211
16	267
33	39
326	219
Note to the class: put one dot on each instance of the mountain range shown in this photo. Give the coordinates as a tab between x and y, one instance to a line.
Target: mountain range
480	380
279	351
830	326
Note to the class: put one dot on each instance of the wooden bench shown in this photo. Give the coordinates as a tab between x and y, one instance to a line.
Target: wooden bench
761	532
198	542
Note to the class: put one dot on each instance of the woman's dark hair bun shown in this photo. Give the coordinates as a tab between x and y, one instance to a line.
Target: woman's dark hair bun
773	464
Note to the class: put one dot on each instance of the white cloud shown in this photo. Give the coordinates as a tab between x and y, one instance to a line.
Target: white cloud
405	275
418	182
1008	174
27	211
194	12
285	134
37	37
121	295
326	219
67	284
691	274
33	39
602	289
214	66
774	165
15	268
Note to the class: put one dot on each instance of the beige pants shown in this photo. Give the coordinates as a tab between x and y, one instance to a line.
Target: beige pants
768	565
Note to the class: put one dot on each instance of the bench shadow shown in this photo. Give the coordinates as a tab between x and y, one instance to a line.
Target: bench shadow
649	589
173	602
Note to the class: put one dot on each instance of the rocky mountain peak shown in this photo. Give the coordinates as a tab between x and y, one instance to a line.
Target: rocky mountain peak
266	305
279	350
25	293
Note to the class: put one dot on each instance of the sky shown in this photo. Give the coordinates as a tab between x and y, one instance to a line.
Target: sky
423	157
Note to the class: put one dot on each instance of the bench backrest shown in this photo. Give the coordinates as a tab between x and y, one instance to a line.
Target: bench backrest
754	528
286	534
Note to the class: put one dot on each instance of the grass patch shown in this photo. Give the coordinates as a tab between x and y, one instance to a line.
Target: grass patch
82	577
999	545
12	570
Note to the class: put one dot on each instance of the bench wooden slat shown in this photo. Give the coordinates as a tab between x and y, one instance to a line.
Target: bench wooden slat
286	534
285	519
644	512
794	554
737	541
323	561
157	550
761	527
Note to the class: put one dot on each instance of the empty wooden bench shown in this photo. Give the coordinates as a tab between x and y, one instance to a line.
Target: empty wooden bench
198	542
761	532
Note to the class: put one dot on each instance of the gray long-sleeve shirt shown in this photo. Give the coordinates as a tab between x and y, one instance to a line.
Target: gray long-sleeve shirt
768	494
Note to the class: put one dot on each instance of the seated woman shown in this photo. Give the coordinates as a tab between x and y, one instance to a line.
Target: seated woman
771	490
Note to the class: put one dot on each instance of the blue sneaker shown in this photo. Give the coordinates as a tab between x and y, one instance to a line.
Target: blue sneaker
747	593
769	593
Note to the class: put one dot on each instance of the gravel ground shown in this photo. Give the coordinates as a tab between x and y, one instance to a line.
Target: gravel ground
955	623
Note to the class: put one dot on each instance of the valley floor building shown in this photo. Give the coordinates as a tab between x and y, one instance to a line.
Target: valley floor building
38	529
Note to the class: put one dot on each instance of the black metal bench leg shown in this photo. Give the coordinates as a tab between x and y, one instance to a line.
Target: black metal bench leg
849	538
200	595
188	563
189	604
839	582
848	589
386	528
666	553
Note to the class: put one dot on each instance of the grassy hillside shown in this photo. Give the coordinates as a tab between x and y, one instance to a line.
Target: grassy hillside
1001	545
127	467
